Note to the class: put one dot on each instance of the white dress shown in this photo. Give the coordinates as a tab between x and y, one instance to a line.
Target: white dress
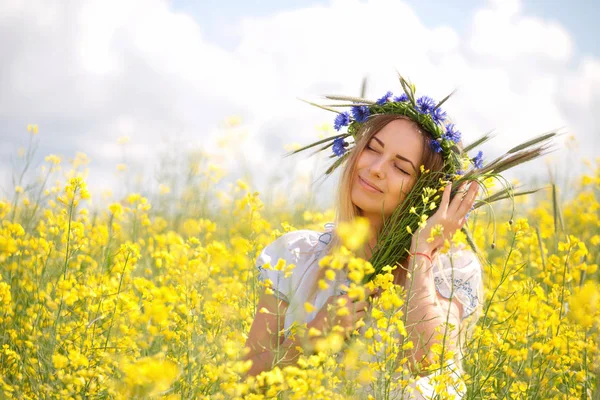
304	249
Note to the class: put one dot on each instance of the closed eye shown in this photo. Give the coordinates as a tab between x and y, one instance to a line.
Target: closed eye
372	149
402	170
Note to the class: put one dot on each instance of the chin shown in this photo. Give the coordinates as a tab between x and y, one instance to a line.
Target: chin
362	201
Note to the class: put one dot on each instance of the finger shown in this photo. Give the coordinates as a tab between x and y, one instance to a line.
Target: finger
362	304
457	199
347	297
446	197
469	199
373	292
359	315
343	301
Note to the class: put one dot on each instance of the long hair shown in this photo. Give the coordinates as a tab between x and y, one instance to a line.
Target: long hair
345	210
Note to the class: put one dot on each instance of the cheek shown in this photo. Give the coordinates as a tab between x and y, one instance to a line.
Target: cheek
362	160
401	186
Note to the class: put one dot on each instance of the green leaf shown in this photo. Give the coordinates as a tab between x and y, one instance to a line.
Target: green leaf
478	142
337	163
350	98
444	100
504	194
332	138
531	142
408	88
363	87
320	106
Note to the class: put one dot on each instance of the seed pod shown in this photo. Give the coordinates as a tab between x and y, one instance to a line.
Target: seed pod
493	245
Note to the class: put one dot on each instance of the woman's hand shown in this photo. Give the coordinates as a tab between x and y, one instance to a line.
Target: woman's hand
327	317
450	216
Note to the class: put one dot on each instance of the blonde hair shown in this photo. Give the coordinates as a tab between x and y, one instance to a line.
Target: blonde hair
346	211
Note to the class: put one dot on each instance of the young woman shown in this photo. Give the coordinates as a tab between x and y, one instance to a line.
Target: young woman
380	171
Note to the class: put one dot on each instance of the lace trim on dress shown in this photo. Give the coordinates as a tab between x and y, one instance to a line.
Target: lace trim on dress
462	286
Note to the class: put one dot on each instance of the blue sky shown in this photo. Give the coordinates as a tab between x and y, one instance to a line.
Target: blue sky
579	17
167	74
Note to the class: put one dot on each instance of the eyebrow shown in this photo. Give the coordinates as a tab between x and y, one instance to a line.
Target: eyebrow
397	155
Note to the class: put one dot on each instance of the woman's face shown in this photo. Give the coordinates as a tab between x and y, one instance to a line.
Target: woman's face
387	168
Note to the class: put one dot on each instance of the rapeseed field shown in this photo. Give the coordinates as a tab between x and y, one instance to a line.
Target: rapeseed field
154	299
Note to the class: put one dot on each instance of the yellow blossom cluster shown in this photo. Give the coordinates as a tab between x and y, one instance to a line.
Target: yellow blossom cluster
129	300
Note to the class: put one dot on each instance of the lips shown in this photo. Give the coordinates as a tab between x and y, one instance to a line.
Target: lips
369	184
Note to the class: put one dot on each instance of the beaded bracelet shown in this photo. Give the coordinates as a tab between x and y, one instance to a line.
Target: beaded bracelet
421	254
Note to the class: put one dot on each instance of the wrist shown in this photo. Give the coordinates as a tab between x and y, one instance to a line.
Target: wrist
418	254
420	245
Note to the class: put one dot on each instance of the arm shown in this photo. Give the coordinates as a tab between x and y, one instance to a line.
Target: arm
288	351
268	348
425	311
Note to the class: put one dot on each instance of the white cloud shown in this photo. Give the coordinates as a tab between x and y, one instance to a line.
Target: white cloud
91	72
508	36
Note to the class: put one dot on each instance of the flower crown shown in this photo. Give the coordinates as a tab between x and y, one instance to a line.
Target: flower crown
423	110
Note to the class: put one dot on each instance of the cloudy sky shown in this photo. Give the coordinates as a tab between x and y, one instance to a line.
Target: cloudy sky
168	74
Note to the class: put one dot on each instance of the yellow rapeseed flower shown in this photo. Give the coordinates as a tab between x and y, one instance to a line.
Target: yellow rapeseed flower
354	234
32	128
147	377
53	159
308	307
59	361
330	275
164	189
584	305
436	231
233	121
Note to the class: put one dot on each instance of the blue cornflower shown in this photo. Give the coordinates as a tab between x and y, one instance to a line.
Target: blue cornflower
435	146
402	97
478	160
339	147
452	133
425	105
438	115
385	98
460	172
342	119
360	113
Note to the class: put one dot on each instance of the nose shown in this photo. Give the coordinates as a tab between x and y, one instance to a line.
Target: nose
376	168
